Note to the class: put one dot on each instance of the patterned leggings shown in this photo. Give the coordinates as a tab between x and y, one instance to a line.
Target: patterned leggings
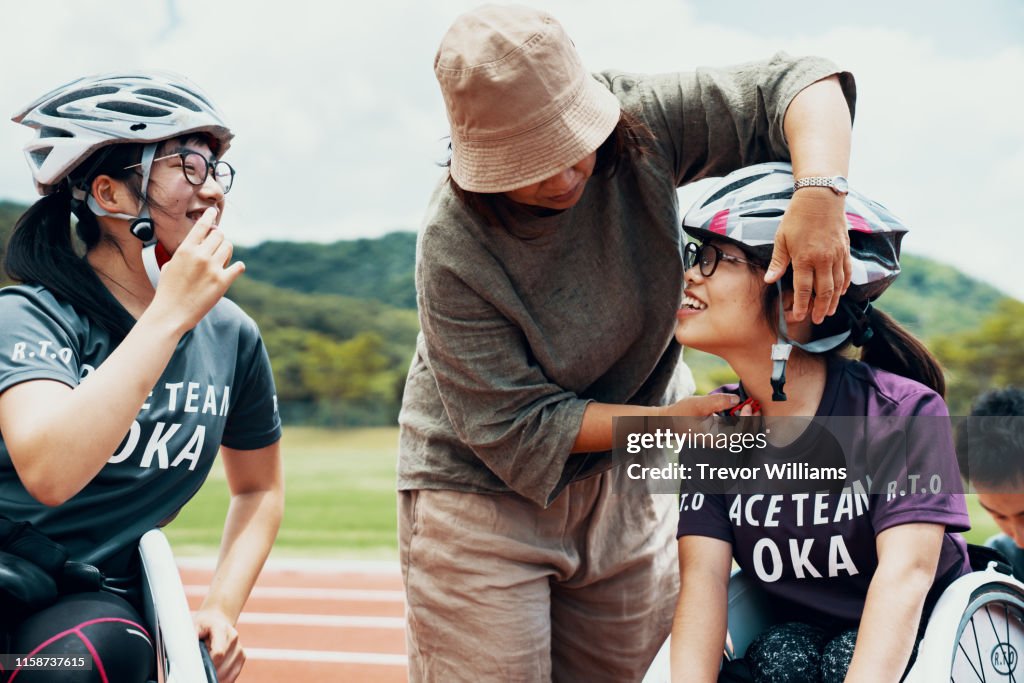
102	628
799	653
795	652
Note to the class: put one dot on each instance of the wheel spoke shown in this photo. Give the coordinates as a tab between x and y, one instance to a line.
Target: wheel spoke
1006	612
967	657
977	646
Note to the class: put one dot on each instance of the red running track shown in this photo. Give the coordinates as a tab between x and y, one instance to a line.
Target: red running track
318	621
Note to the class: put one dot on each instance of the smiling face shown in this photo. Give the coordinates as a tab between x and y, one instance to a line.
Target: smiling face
725	311
560	191
176	204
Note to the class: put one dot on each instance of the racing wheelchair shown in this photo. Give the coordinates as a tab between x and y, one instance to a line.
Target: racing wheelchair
181	658
975	633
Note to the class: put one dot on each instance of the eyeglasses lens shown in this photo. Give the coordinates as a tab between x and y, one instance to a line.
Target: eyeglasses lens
708	258
224	175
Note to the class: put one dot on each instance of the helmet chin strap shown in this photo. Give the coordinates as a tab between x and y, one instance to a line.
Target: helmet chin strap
154	256
783	346
141	225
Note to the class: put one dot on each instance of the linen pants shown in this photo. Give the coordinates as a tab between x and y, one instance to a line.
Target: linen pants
499	589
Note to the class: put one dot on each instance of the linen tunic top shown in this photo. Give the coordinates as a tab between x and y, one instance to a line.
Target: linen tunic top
524	323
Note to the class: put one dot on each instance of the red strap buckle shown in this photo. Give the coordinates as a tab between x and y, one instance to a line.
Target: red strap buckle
755	407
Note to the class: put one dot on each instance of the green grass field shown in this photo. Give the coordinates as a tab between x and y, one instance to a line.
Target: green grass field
339	492
341	499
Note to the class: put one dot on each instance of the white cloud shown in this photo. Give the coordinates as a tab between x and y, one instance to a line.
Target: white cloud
339	118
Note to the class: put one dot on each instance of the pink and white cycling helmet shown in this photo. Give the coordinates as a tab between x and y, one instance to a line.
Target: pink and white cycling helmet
746	208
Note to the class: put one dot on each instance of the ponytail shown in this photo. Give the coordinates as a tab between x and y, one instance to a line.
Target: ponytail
884	344
892	348
41	252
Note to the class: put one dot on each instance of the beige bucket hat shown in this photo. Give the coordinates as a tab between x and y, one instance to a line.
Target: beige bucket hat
520	103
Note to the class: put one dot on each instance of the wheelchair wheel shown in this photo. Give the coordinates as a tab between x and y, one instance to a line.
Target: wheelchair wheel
990	636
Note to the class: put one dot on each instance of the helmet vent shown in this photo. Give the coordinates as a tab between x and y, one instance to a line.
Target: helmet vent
763	213
51	132
733	186
786	195
133	109
139	126
160	96
197	95
52	108
39	155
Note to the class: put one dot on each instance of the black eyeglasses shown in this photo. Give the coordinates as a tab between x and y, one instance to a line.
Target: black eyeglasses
196	168
708	256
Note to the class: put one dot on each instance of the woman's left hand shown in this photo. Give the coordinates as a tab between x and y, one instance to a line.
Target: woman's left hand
813	235
220	634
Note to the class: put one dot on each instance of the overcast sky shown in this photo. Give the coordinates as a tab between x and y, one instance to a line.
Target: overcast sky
340	124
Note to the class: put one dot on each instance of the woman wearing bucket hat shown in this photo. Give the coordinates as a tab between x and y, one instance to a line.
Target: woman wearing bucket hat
548	273
120	383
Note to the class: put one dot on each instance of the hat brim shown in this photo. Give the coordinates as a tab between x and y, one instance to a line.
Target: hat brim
490	166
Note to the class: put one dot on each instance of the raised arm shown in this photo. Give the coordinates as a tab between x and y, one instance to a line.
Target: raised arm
709	122
43	420
813	234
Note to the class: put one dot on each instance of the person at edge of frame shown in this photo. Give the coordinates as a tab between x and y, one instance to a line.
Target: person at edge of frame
120	380
990	450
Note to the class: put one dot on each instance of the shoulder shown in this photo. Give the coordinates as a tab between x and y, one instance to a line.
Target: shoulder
637	93
19	301
227	317
450	229
32	296
886	393
456	248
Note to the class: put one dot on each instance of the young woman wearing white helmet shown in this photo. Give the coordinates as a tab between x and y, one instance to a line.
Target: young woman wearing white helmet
847	566
119	381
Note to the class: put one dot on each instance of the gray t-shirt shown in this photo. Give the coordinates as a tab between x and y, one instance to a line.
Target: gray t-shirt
525	323
217	389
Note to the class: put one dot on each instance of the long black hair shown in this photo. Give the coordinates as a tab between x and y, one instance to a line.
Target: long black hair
41	250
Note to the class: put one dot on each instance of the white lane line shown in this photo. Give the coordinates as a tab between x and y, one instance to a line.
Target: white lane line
326	656
317	566
319	594
335	620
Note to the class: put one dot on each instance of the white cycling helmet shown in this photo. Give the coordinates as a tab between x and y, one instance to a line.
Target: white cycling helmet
76	119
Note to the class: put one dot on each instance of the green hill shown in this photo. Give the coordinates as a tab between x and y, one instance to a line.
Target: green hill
339	320
929	298
380	269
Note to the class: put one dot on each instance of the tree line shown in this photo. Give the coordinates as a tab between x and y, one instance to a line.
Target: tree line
339	321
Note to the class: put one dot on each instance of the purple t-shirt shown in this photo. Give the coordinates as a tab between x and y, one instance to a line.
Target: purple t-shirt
816	552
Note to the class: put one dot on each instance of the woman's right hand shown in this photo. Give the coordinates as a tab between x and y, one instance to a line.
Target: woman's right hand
699	406
596	429
198	274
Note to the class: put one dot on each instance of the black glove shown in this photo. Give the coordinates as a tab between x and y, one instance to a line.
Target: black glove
34	570
22	539
24	588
